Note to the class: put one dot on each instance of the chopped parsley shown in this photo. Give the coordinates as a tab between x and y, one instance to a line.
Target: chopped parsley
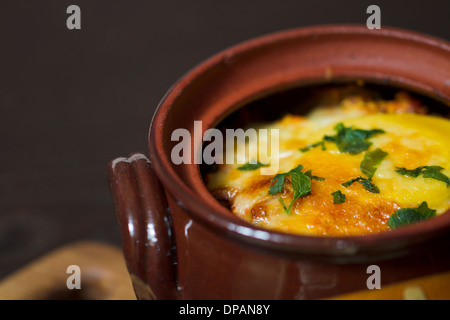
407	216
366	183
313	145
277	183
432	172
350	140
371	160
338	197
413	173
252	166
309	174
300	181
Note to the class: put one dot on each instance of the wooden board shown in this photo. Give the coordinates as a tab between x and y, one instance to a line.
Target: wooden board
103	275
433	287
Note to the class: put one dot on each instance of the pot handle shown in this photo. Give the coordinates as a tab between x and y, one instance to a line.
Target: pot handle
146	227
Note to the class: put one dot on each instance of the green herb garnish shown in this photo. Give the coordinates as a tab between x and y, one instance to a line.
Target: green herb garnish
366	183
407	216
313	145
252	166
301	184
432	172
310	175
351	140
338	197
276	186
414	173
371	160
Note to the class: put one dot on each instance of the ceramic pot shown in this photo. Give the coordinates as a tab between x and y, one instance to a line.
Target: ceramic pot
180	243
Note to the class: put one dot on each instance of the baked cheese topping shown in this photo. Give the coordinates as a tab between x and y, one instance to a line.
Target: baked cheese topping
364	160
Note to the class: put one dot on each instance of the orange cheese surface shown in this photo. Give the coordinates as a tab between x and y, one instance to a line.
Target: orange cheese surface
410	139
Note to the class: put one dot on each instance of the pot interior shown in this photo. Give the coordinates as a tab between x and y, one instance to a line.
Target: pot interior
302	100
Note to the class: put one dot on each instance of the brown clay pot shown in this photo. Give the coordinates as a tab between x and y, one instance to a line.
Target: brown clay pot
180	243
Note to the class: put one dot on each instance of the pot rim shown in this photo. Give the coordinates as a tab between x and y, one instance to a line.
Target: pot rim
213	215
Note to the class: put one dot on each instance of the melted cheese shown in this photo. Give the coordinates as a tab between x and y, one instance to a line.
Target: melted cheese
411	140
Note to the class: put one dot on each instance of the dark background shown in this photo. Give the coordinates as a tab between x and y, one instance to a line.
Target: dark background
72	100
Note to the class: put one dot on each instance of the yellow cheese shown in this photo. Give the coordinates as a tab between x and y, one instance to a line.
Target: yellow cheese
411	140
